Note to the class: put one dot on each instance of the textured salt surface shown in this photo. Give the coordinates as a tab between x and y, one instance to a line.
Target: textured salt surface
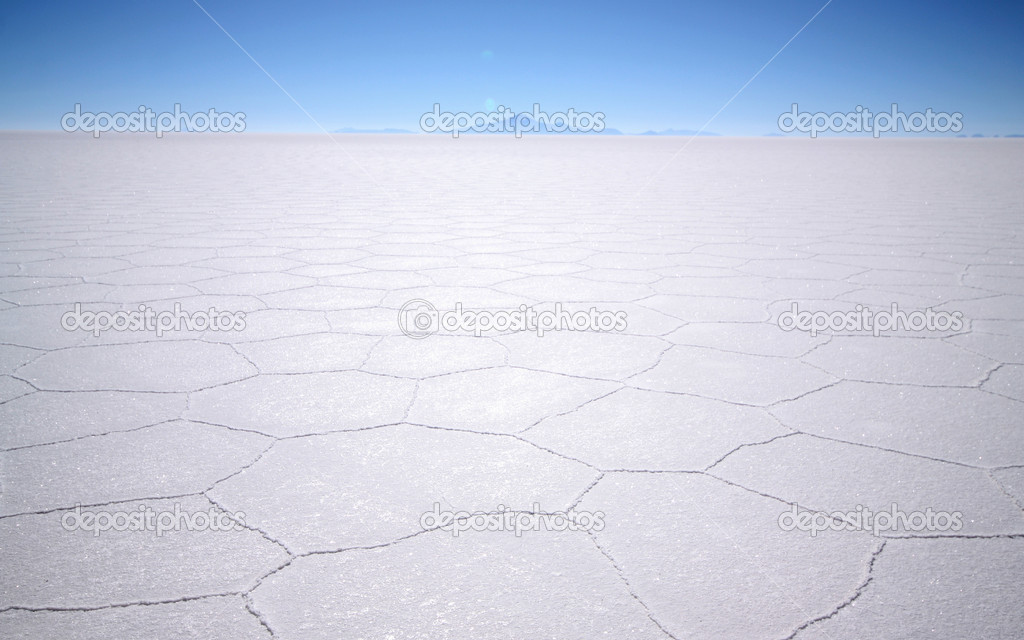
692	431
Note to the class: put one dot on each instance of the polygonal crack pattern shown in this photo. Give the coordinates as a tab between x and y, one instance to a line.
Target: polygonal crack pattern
694	438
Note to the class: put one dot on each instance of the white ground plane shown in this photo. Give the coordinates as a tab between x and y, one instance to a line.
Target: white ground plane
696	473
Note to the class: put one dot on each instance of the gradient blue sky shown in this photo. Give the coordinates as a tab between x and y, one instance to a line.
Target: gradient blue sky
646	65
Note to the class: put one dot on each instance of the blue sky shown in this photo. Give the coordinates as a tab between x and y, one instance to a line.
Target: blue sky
645	65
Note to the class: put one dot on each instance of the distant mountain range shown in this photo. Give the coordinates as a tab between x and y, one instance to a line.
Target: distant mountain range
905	136
613	132
608	131
679	132
352	130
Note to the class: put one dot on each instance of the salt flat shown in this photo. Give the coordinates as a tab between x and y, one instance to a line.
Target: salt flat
326	433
